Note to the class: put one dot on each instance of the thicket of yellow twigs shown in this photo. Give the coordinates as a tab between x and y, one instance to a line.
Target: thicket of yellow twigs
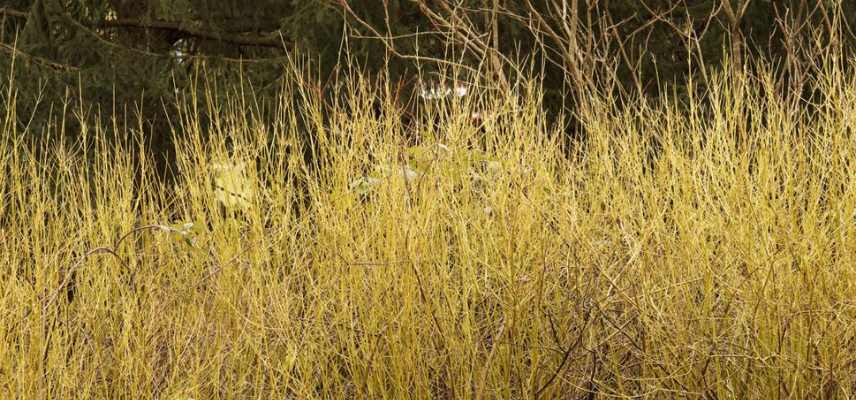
700	245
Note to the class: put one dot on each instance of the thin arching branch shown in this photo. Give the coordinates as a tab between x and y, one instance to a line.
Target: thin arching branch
272	39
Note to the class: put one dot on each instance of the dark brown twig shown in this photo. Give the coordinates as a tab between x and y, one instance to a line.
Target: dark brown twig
565	356
111	250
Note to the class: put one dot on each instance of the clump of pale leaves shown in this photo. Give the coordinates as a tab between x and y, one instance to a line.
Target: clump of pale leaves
437	160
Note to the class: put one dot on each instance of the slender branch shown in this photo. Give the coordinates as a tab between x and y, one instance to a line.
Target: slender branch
15	52
389	43
272	39
12	13
269	40
566	353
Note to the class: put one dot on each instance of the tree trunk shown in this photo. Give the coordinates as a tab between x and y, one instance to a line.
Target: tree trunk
735	17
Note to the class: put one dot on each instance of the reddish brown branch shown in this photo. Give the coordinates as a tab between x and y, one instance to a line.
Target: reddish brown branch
12	13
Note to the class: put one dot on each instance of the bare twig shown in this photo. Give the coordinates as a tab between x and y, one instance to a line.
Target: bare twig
111	250
566	355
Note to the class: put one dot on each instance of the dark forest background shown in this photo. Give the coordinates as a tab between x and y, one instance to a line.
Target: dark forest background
130	58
